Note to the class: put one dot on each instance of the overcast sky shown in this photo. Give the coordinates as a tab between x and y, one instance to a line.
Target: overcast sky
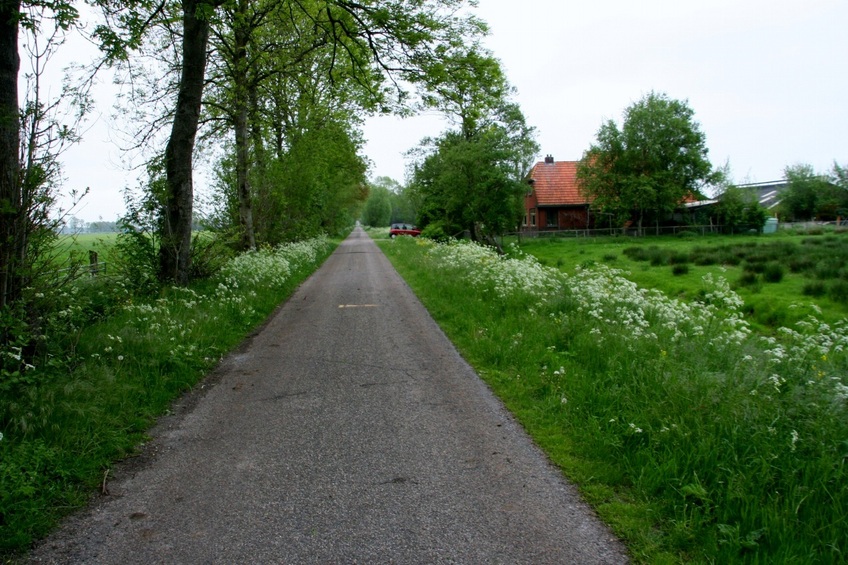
767	80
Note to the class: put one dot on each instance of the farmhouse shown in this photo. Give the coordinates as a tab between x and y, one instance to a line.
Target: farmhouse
553	200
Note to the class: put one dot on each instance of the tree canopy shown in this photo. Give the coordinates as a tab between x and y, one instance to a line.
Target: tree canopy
811	195
646	168
471	178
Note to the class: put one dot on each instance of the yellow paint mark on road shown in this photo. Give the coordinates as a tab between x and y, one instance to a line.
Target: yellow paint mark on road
357	305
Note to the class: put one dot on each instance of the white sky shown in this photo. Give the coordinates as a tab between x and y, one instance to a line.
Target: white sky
767	79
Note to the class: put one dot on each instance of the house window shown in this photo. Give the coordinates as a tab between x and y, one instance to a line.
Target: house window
533	217
551	219
524	222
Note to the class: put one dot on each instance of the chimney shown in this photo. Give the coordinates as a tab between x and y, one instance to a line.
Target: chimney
549	160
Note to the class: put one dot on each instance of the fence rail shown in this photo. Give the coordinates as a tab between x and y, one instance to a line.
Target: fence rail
95	267
631	231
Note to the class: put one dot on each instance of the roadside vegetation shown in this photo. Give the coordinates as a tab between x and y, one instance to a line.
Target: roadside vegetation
112	359
695	436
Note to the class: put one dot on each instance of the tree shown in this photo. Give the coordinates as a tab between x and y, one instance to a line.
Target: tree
740	209
471	179
10	130
377	45
31	139
175	247
648	167
28	147
803	196
473	184
378	208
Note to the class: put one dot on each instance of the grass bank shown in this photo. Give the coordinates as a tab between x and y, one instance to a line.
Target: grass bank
697	439
65	418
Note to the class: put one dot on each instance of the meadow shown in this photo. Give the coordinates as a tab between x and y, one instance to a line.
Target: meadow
699	436
774	274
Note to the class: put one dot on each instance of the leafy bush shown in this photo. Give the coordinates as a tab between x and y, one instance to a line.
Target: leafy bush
828	269
678	258
680	269
838	291
636	253
814	288
705	259
436	232
748	278
773	272
657	257
801	264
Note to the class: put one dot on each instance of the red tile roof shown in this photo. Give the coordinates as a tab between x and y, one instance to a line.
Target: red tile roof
556	184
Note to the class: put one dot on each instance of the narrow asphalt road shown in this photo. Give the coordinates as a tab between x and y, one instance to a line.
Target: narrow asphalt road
349	430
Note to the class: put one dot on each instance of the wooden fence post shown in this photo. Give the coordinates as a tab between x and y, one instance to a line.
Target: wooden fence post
92	262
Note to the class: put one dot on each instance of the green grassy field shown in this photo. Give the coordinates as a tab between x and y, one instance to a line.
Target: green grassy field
695	437
806	262
76	247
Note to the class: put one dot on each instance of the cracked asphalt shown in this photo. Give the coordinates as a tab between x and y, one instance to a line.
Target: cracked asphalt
347	430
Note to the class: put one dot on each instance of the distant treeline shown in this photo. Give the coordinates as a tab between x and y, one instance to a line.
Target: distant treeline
75	225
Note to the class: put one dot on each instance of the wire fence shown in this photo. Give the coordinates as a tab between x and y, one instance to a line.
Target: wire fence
631	231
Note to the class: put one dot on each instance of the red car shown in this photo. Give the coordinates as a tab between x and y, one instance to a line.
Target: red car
403	229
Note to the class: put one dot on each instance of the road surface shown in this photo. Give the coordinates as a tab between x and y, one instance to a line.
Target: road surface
347	430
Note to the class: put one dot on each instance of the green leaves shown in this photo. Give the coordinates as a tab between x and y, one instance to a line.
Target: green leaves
472	178
646	168
811	195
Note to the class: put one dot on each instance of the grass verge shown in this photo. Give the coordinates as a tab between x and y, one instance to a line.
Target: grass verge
695	438
65	422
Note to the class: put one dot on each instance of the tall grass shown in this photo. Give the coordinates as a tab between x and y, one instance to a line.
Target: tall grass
697	439
63	421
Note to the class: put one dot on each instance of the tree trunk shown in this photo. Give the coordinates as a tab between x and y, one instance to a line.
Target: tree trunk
259	182
11	225
248	239
175	248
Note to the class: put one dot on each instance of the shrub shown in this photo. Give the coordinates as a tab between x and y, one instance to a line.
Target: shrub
828	269
657	256
678	259
731	259
748	278
750	267
705	259
773	272
680	269
637	253
610	257
839	291
814	288
436	232
801	264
